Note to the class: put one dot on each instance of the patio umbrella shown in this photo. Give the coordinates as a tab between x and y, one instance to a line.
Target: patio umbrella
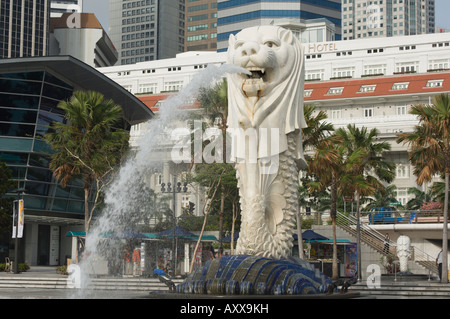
125	234
310	235
228	238
179	232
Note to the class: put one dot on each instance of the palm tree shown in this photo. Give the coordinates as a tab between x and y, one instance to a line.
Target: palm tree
88	145
430	152
325	165
317	128
365	167
214	101
419	199
382	197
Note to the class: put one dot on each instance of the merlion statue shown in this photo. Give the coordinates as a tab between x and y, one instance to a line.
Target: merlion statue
265	119
403	252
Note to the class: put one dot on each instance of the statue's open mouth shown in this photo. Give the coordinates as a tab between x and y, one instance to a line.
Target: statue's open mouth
255	81
256	73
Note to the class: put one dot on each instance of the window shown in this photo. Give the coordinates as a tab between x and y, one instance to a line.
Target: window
308	93
148	88
185	201
402	171
441	64
434	83
375	69
173	86
336	114
402	110
368	112
402	195
400	86
315	74
407	67
128	88
367	89
347	72
335	91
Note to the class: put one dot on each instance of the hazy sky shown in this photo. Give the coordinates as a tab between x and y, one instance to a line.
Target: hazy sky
100	8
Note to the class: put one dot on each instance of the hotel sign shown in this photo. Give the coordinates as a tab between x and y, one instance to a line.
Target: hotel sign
320	47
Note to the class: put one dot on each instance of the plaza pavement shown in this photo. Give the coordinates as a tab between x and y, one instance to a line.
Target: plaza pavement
48	293
422	289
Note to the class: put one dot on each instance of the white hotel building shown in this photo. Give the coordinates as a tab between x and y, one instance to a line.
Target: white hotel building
370	82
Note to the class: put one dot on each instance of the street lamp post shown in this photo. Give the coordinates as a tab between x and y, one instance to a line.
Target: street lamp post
19	191
174	190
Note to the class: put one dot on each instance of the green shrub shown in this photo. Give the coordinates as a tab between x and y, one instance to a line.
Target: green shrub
62	270
22	267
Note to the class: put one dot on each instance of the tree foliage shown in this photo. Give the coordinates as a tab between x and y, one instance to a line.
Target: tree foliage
430	152
6	203
88	145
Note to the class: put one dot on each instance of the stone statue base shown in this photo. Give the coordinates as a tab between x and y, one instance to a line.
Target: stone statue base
253	275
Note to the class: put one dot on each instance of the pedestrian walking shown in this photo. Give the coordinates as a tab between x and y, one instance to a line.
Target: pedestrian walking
439	264
136	262
386	244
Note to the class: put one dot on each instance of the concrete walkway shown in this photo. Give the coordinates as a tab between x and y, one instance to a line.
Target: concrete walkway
36	271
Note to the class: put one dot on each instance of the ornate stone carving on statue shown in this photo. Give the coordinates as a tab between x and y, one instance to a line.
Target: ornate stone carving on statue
265	118
403	252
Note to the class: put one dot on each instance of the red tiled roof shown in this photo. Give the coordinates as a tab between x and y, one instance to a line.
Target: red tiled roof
152	100
417	84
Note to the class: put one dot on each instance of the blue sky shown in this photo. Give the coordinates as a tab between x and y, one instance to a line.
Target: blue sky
100	8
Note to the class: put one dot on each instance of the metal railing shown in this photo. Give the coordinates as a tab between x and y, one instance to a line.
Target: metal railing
405	217
376	240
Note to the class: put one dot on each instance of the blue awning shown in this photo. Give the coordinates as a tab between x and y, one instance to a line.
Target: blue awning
76	234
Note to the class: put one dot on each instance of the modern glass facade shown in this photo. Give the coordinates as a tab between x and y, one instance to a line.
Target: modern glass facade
30	91
28	105
235	15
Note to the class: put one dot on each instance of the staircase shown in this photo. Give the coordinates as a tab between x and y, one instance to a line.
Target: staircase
60	282
404	289
375	240
18	281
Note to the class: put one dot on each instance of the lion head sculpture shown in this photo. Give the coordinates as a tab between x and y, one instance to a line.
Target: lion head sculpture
270	95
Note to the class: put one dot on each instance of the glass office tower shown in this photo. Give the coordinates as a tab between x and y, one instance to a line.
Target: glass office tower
24	28
147	30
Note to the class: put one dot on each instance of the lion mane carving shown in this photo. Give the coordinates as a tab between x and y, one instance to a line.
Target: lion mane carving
265	118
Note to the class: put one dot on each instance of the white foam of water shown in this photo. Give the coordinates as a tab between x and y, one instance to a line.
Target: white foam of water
124	192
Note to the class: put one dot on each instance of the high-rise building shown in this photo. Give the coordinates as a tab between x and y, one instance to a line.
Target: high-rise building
147	30
58	7
24	28
235	15
201	25
88	41
366	19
